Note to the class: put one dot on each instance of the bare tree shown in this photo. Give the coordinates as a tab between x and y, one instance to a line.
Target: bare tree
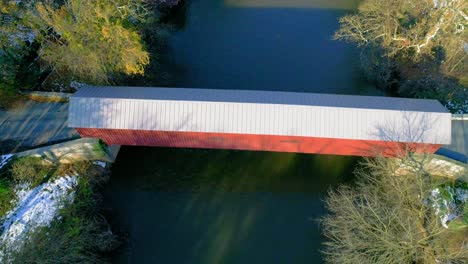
411	29
387	218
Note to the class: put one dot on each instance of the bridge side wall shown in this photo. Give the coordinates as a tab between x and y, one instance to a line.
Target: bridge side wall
274	143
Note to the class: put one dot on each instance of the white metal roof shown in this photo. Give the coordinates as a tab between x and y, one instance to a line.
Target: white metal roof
261	112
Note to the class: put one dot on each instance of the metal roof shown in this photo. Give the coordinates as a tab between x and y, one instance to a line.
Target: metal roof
261	97
261	112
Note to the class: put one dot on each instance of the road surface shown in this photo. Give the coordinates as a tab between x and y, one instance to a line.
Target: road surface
34	124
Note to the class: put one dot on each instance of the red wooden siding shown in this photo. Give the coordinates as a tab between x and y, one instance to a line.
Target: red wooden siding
277	143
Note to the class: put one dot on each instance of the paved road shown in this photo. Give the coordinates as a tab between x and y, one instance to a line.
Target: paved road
459	136
34	124
458	150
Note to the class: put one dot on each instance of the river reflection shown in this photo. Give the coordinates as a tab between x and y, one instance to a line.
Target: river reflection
217	206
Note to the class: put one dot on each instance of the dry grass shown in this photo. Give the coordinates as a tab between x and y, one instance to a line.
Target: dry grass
47	99
8	101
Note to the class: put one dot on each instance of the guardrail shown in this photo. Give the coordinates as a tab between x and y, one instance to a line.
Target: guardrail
459	116
452	155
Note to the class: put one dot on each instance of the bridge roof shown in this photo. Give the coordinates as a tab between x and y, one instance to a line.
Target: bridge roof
261	113
261	97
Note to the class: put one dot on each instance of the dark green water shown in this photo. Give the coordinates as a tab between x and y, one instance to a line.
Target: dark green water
220	206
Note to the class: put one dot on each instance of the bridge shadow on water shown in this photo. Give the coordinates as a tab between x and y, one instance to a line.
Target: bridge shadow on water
221	206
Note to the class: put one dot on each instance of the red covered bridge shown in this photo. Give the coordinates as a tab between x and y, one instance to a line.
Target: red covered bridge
259	120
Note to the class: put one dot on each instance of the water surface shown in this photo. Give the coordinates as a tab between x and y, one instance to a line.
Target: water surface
220	206
265	48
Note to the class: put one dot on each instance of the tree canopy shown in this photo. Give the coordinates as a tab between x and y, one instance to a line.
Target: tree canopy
82	40
412	29
90	39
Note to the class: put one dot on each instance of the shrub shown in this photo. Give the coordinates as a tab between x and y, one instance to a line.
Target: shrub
30	170
69	240
77	168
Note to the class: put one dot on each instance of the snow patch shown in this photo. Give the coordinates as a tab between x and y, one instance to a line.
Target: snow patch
4	159
448	208
100	163
36	207
22	190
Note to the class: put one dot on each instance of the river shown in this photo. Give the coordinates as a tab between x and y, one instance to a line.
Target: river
220	206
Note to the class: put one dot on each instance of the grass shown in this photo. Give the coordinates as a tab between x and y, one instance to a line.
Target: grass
34	170
7	196
465	213
99	149
77	168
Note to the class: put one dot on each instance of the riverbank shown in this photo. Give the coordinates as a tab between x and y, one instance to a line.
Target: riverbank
52	210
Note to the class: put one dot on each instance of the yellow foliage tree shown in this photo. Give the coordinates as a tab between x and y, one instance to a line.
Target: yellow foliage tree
90	39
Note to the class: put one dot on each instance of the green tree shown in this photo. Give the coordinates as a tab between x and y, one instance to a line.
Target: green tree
387	217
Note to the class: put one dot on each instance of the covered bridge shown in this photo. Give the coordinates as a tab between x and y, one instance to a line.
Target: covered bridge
259	120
